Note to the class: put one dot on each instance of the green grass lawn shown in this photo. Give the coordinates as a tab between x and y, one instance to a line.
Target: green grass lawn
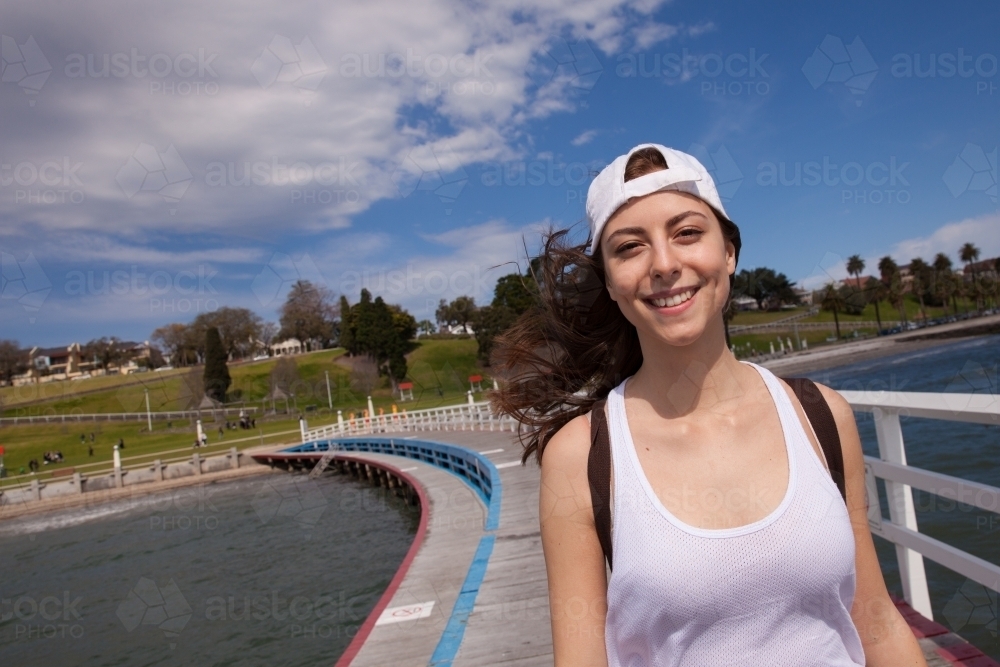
439	370
25	442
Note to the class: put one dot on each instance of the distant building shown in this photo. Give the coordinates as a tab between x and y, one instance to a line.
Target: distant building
457	329
984	268
804	296
287	347
745	303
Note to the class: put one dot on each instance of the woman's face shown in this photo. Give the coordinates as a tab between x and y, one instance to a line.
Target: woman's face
667	265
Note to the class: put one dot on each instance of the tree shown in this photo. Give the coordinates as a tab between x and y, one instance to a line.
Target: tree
969	254
855	265
217	379
380	331
13	360
876	290
105	351
833	301
889	272
513	296
944	281
921	284
309	314
425	327
768	288
460	312
239	329
345	339
268	332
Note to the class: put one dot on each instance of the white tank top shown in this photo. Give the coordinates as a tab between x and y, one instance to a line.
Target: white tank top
774	592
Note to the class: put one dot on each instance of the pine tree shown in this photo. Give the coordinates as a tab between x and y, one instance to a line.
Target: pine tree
216	376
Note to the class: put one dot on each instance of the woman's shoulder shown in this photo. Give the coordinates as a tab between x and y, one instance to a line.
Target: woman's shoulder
568	449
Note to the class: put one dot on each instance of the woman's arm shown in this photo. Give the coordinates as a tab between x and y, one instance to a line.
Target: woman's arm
573	557
885	635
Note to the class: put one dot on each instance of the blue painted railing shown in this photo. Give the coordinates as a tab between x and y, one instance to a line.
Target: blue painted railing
471	467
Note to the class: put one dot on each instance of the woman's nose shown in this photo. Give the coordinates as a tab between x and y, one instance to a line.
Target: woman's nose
665	260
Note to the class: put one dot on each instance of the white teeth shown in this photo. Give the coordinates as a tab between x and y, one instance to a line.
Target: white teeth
673	300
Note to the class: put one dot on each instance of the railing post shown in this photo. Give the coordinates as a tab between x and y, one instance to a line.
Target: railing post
902	512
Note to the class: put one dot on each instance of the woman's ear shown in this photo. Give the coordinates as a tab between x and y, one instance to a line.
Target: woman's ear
730	257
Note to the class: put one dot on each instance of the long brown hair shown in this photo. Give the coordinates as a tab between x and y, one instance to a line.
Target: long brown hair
575	345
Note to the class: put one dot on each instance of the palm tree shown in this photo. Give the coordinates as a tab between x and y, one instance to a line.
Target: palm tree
920	271
834	301
876	291
944	280
969	254
855	265
889	272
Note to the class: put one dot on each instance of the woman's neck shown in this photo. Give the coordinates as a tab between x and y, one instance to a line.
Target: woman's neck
681	380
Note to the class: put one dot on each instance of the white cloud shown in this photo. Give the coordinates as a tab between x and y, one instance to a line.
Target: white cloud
475	72
983	231
584	138
653	33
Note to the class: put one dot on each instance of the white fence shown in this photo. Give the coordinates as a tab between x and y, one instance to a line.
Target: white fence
467	417
901	527
123	416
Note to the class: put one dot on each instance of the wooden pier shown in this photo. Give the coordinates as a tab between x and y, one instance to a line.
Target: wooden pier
487	582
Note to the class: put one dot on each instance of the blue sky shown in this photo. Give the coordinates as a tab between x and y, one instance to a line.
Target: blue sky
421	152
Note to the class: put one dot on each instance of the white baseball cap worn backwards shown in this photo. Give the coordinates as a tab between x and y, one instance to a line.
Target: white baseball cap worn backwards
609	191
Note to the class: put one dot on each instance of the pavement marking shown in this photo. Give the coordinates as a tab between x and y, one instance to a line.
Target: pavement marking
509	464
492	451
407	612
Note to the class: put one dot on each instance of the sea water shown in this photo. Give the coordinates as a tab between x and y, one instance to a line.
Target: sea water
964	450
271	570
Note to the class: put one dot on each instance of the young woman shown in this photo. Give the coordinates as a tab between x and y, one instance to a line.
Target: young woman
731	542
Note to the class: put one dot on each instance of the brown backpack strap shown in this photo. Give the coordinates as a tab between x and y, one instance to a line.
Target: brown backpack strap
821	418
599	475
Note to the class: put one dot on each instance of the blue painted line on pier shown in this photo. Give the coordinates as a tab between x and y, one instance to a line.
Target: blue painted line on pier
479	473
454	632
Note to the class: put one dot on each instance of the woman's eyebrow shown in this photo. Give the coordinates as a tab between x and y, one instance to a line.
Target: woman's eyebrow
640	230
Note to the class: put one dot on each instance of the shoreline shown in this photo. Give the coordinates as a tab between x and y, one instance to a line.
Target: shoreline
843	354
93	499
811	361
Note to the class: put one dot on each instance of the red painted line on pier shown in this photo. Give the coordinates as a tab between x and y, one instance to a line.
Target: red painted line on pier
359	639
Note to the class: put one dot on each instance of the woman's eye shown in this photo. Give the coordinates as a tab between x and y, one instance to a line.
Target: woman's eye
691	232
626	247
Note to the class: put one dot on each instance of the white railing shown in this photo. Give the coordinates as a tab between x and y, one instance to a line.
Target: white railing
56	418
901	528
465	417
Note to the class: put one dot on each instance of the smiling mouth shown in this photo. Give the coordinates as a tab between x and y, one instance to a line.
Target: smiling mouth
675	300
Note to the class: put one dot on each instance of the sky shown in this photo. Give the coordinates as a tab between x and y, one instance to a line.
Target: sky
159	160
